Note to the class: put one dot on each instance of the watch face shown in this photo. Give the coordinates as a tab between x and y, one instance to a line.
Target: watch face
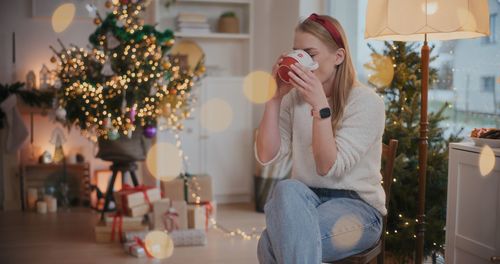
325	112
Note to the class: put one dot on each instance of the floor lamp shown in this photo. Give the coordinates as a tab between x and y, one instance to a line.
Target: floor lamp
423	20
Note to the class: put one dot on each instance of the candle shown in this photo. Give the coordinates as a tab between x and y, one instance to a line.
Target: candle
41	207
32	198
52	205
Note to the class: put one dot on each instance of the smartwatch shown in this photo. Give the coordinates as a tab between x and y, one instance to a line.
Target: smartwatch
322	113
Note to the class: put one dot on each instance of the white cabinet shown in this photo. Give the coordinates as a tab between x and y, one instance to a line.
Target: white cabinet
473	207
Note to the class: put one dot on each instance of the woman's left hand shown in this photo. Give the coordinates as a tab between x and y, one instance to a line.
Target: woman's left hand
309	86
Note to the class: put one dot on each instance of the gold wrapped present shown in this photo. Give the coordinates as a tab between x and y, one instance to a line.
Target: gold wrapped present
199	189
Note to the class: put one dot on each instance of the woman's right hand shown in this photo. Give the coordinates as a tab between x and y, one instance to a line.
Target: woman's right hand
282	88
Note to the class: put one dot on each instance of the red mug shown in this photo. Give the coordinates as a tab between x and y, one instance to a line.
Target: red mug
296	56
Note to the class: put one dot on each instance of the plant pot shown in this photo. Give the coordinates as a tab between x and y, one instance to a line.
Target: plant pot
228	25
124	149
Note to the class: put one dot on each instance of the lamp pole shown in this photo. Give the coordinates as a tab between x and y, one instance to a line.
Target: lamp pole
422	152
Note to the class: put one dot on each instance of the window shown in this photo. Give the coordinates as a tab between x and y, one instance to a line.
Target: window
488	84
466	81
492	37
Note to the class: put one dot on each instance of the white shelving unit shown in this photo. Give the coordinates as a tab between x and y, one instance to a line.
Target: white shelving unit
230	53
227	156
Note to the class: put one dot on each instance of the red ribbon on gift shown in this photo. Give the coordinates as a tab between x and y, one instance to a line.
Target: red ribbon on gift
142	244
117	220
170	219
139	188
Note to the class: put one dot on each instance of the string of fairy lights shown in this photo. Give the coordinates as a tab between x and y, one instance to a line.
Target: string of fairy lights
195	189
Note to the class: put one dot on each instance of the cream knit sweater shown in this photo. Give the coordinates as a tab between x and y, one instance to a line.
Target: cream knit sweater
359	145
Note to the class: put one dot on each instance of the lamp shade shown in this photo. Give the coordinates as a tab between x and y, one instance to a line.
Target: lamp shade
410	20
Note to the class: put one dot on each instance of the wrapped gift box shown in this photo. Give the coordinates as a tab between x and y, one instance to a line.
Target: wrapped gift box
161	215
126	221
134	249
200	184
197	217
139	210
105	234
130	197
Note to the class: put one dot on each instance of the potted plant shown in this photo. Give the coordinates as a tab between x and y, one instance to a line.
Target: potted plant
228	23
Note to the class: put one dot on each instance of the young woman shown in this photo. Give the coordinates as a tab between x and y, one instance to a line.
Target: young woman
333	205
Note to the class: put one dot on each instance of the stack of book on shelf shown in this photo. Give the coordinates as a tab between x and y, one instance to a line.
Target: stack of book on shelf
192	23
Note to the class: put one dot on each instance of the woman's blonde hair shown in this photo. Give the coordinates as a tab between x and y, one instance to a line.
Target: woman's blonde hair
345	76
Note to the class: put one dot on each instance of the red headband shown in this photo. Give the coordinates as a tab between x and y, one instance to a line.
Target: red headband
329	27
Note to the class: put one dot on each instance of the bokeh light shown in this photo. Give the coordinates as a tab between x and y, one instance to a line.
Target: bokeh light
159	244
62	17
163	161
216	115
347	232
259	87
381	70
486	160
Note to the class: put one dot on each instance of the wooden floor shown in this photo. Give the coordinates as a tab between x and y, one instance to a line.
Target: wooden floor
68	237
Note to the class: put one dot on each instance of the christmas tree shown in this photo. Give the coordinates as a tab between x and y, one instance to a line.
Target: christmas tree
398	80
126	80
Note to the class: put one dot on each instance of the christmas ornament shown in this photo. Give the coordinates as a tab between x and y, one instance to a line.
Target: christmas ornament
129	133
106	69
119	23
57	84
113	134
97	21
60	113
91	8
111	41
124	103
150	131
108	4
133	112
107	122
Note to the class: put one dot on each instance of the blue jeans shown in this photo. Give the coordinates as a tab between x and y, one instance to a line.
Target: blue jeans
313	225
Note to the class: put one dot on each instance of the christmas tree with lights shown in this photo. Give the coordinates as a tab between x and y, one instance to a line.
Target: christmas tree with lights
126	81
398	80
